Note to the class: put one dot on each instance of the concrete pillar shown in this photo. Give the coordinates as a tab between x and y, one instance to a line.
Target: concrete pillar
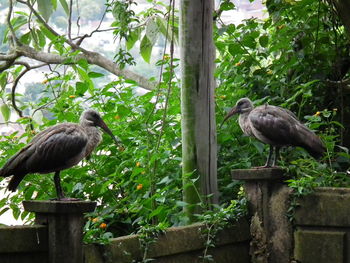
268	203
65	220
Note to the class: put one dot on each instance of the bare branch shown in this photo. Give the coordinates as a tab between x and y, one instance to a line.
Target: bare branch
93	58
15	83
70	20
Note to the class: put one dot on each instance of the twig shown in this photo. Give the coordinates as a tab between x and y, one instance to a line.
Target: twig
70	20
15	83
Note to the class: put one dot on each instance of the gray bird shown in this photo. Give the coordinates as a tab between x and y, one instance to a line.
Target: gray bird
277	127
55	149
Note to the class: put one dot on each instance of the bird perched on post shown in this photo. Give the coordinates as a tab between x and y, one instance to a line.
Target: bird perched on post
277	127
55	149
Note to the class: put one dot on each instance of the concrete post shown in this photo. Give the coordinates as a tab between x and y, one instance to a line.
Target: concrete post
268	201
65	221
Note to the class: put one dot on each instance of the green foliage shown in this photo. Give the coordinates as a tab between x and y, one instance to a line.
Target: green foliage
219	218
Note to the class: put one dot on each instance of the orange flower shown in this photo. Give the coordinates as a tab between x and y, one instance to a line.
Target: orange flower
238	64
223	97
138	164
95	220
117	117
103	225
72	96
139	186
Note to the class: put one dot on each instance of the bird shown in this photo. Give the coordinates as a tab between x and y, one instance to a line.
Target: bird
277	127
57	148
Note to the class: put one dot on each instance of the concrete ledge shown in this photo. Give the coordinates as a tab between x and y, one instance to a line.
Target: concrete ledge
59	207
19	239
275	173
175	241
327	206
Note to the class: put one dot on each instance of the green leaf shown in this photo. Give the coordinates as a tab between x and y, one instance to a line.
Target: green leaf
41	38
54	4
95	75
235	49
152	31
25	38
225	6
264	40
146	49
45	8
132	38
5	111
65	6
81	88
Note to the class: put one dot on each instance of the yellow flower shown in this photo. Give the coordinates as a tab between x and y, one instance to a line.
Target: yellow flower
143	172
165	57
318	113
269	72
238	64
117	117
138	164
139	186
72	96
281	26
95	220
45	81
223	97
103	225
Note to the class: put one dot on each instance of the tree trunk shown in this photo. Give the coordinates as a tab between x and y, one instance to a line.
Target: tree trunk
199	151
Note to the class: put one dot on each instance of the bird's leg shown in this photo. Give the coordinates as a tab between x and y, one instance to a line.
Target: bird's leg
57	180
277	156
268	161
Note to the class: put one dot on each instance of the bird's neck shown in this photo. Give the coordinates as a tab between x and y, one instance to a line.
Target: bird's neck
94	137
244	123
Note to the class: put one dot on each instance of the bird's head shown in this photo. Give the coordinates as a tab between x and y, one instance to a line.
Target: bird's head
92	118
243	105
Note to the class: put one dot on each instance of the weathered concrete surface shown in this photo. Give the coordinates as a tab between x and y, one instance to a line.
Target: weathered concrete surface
268	202
259	173
313	246
179	244
20	244
325	207
65	220
322	223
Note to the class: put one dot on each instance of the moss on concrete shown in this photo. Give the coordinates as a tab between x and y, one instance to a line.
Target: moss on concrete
178	244
312	246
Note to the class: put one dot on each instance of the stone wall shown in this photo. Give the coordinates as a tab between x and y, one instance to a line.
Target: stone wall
19	244
322	227
177	245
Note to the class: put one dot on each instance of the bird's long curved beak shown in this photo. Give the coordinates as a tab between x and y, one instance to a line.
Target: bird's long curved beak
232	112
104	127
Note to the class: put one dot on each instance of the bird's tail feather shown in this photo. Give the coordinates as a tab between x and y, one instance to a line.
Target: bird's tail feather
14	182
312	143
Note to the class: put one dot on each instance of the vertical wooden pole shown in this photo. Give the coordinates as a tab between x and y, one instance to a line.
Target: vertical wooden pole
197	103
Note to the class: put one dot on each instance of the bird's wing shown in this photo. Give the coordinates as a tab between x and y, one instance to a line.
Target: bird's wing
58	148
274	125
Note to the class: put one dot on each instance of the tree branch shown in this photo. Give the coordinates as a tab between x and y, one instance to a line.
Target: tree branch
93	58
